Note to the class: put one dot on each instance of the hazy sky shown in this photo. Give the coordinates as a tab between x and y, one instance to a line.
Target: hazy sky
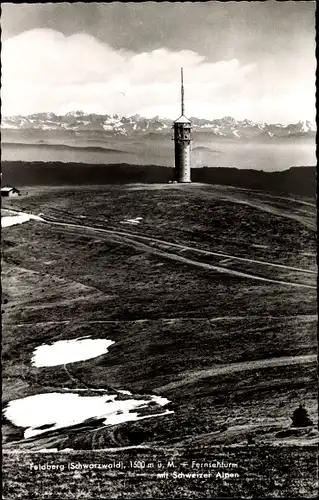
252	60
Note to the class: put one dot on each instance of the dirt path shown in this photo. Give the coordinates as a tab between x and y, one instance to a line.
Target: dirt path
193	376
176	245
223	195
132	239
86	387
74	379
175	319
215	254
262	194
181	259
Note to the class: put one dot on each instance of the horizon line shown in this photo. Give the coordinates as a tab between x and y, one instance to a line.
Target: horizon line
4	116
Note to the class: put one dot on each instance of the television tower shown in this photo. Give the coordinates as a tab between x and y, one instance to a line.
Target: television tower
182	139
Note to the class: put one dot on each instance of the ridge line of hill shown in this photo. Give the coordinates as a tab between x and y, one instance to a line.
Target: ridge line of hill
295	180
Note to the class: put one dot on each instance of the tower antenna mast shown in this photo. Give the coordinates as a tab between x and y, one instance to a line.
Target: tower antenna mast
182	139
182	90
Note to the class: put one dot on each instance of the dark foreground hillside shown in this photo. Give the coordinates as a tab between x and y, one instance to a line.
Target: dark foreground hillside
297	180
208	296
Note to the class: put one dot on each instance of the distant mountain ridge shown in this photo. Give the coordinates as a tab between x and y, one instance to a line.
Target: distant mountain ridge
114	124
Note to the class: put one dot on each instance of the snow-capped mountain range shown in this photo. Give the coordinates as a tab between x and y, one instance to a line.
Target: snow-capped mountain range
227	128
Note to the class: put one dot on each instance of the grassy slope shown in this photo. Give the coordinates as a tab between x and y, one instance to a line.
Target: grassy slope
53	274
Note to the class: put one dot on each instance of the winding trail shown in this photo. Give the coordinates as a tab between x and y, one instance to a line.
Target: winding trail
74	379
179	258
275	197
215	254
86	387
223	195
173	319
193	376
133	240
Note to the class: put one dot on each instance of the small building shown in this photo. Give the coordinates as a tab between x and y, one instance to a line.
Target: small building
10	191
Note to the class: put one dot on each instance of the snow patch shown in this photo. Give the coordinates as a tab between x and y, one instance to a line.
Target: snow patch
12	220
133	222
52	411
107	127
69	351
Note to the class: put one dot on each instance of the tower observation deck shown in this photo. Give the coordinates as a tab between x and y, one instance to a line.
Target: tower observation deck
182	141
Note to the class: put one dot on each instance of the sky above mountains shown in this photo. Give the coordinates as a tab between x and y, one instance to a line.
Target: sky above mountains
252	60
